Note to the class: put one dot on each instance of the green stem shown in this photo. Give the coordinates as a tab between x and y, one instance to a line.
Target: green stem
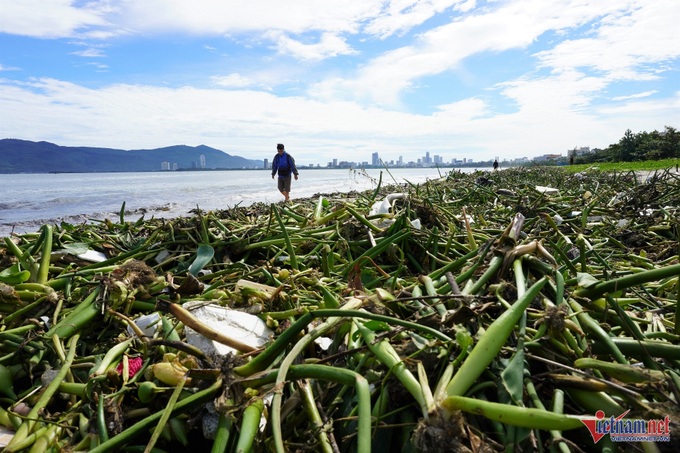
77	319
333	374
363	219
557	408
639	349
167	412
386	354
377	249
491	342
589	324
250	425
142	426
524	417
31	419
286	237
272	352
617	284
224	427
315	420
297	348
44	268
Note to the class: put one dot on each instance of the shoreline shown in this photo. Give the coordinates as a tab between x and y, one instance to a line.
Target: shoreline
165	211
156	212
30	202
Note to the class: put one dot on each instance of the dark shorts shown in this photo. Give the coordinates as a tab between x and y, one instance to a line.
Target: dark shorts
284	183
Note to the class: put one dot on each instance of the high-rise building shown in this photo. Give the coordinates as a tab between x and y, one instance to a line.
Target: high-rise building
266	163
165	165
375	159
202	158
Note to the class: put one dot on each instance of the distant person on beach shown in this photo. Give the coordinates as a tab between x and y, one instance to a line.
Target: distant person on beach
495	164
284	164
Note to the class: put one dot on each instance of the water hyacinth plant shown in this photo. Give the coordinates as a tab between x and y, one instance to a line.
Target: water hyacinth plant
476	312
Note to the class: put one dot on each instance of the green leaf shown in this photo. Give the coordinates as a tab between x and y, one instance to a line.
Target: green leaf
463	338
203	256
76	248
377	326
512	377
420	341
585	280
14	275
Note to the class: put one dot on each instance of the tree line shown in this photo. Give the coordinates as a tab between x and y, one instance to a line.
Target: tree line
635	147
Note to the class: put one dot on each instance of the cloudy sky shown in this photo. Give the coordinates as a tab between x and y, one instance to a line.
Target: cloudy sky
339	78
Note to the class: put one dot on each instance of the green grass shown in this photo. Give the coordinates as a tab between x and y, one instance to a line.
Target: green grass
647	165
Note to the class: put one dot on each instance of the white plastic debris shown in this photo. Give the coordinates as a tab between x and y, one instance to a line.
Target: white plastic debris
5	436
384	207
380	207
466	217
80	251
162	256
622	223
323	342
93	256
547	190
244	327
148	324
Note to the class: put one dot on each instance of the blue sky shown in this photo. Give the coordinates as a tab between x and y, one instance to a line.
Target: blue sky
339	78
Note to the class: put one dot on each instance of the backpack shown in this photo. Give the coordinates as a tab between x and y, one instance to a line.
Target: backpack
284	165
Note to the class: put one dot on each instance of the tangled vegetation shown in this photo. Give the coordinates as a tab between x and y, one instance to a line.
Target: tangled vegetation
477	312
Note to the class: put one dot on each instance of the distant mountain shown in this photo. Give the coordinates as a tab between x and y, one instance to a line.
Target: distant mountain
23	156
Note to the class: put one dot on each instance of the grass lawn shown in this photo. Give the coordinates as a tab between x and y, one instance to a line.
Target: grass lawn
648	165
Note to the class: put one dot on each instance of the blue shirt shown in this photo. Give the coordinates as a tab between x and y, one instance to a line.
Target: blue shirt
284	164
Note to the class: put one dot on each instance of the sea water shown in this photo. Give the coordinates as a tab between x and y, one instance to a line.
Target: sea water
30	200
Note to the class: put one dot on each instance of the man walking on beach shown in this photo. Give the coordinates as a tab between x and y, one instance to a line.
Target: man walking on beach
285	165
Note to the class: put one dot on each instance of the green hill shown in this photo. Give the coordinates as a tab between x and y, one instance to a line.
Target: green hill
23	156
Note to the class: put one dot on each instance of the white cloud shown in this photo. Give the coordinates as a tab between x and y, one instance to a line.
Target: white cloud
247	122
49	18
466	6
624	43
465	110
402	15
233	81
662	111
89	53
579	47
634	96
329	45
238	16
514	25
